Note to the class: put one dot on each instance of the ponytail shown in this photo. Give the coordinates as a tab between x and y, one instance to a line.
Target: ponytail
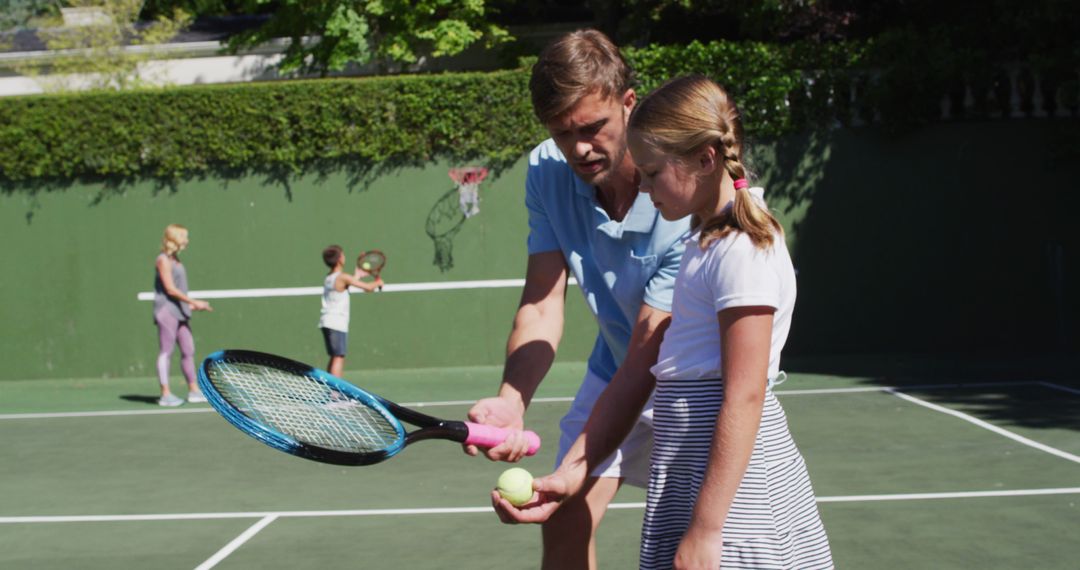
746	215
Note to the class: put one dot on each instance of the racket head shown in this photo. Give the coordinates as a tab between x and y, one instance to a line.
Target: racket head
375	260
299	409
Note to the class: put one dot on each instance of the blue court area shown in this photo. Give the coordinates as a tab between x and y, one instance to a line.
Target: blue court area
936	474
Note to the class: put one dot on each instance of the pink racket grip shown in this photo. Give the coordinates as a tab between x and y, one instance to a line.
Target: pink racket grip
490	436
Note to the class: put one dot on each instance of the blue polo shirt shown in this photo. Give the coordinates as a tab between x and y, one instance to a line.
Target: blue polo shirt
618	264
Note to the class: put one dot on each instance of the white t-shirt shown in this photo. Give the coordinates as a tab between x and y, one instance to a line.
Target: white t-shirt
335	305
731	272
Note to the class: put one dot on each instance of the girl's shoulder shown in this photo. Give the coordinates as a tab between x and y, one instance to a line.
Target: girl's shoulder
734	244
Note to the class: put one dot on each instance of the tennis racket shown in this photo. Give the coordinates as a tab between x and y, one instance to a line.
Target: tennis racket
299	409
373	262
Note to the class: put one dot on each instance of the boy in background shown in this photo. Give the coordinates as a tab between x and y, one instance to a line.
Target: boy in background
334	318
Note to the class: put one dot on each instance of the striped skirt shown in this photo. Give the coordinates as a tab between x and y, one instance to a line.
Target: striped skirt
773	522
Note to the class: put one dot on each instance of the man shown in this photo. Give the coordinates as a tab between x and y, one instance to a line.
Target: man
587	218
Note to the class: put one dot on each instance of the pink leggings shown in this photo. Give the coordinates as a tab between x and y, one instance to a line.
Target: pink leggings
170	333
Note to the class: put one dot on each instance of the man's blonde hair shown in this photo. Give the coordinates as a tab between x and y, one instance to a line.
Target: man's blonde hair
574	66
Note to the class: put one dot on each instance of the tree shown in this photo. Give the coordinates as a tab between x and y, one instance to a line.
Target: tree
327	35
94	55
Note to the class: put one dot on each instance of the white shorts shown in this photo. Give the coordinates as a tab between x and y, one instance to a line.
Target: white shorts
631	460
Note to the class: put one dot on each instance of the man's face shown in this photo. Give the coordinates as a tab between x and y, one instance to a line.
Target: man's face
592	135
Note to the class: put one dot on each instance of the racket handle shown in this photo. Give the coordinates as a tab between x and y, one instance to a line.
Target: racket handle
490	436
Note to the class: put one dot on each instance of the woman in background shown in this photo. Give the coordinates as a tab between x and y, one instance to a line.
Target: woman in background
172	314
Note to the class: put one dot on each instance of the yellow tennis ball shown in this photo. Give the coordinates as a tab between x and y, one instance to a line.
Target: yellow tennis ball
365	266
515	485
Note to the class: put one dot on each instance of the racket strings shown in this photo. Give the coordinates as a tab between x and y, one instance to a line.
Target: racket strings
303	407
374	259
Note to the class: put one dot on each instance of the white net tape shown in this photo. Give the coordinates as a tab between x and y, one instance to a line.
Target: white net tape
302	407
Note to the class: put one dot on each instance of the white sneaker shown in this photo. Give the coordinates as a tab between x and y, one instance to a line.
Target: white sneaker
196	398
170	400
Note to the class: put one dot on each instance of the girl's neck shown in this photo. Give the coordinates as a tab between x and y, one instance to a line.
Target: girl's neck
721	198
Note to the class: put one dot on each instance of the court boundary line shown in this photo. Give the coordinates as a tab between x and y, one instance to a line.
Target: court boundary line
45	519
987	426
237	542
807	392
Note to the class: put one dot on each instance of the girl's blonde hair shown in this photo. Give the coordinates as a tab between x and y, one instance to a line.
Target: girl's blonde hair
688	114
170	243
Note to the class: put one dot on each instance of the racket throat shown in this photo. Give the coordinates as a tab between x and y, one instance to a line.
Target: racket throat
452	430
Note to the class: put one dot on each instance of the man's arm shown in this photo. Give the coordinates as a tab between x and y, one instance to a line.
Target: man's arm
537	329
530	350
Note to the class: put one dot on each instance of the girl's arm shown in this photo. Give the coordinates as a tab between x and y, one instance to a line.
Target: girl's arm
612	417
745	339
164	269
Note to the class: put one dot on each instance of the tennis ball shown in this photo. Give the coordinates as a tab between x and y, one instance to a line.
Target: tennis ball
515	485
365	266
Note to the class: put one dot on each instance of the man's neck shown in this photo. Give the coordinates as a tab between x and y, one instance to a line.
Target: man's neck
619	192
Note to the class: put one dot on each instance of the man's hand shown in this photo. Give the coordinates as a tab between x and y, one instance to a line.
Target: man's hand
501	412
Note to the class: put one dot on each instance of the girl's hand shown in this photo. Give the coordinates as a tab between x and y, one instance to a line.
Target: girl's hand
197	305
548	494
699	549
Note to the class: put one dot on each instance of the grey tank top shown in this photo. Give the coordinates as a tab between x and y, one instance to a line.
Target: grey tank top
180	310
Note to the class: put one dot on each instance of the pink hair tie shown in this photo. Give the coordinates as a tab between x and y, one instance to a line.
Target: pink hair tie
741	183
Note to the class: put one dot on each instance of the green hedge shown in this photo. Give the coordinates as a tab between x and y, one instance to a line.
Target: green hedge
292	125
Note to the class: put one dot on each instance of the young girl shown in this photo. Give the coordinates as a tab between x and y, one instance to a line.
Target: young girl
728	488
172	311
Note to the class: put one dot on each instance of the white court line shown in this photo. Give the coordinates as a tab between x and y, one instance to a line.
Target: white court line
473	510
46	415
1060	387
988	426
388	288
236	543
862	389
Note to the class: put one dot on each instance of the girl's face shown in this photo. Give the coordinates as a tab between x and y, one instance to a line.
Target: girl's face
674	187
181	241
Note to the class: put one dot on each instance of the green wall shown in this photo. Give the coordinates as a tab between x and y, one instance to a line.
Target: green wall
956	237
940	239
74	261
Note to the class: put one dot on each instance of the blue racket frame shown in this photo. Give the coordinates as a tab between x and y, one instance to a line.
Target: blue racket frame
285	442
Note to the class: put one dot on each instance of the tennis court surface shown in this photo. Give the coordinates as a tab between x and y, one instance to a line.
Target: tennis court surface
918	473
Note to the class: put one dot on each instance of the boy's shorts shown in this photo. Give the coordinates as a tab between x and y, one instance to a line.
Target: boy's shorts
336	341
631	460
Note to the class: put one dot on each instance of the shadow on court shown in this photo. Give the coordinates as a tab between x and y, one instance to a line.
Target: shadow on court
1034	391
139	398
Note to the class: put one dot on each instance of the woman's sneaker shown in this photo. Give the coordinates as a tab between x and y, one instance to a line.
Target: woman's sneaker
195	398
169	400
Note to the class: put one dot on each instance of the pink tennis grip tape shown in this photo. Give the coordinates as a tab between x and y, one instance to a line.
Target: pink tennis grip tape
490	436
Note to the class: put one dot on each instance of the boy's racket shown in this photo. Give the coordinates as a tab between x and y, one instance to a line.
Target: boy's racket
373	262
307	412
